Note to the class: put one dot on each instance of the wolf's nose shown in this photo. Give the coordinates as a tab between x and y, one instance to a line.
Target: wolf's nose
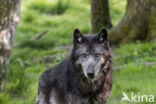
90	75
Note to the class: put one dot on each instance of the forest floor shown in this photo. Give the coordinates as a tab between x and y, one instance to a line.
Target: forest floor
134	63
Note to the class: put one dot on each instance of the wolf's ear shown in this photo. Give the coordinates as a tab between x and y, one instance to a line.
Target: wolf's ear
103	36
77	36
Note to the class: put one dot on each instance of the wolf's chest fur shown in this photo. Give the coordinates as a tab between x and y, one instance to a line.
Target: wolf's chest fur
68	99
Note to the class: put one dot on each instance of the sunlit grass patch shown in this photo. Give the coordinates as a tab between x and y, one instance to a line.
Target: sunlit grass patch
117	10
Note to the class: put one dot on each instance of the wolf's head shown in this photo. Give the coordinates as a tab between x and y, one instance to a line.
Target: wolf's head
90	53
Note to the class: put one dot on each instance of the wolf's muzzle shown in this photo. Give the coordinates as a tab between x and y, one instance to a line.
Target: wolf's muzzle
90	73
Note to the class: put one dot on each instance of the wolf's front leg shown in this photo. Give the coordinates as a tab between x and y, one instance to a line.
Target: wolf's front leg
40	99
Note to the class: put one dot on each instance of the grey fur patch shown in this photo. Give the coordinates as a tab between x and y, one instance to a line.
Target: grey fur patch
40	99
52	98
79	39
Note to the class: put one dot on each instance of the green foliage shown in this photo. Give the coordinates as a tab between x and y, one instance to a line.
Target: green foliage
31	58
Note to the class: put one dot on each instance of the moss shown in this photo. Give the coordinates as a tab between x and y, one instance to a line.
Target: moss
137	24
5	9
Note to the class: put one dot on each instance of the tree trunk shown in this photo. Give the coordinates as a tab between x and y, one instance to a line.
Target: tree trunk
9	17
100	15
138	23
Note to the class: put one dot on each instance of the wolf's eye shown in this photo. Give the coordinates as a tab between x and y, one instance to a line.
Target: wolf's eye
84	55
97	54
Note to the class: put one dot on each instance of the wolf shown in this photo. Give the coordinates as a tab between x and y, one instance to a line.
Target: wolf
84	77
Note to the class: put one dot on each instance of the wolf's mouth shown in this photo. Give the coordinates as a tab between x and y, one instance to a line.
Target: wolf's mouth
90	75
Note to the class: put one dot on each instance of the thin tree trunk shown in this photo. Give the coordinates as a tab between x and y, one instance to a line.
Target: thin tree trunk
100	15
9	17
138	23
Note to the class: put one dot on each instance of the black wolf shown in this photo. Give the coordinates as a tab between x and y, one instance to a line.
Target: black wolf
84	77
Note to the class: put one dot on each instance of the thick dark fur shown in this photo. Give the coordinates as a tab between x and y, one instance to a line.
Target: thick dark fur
66	84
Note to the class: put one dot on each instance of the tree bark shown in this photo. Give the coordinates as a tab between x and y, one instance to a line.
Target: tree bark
100	15
9	17
138	23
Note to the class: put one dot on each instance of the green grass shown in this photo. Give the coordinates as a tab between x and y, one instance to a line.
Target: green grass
133	71
60	18
117	10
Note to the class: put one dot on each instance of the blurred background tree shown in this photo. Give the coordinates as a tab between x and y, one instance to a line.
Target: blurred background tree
9	17
138	23
100	15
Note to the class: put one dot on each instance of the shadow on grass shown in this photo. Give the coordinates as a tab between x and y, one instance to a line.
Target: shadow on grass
39	44
43	7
